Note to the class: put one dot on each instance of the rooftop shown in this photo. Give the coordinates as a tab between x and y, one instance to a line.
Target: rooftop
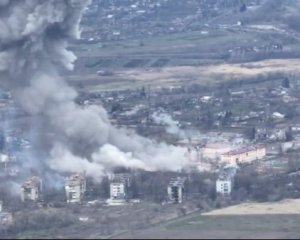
75	179
177	181
32	182
243	150
217	145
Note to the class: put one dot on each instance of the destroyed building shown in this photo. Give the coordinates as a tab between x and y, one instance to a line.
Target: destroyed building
225	181
75	187
176	190
119	185
31	189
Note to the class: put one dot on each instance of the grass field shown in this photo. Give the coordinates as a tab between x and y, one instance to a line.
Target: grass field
248	220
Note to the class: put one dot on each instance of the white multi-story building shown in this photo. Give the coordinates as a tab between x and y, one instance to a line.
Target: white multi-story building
31	189
176	190
117	190
224	186
75	187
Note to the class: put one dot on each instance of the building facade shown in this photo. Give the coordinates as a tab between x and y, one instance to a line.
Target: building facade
244	155
75	187
224	186
31	190
117	190
176	190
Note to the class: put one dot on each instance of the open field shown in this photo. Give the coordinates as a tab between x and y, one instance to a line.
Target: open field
172	76
288	206
248	220
202	57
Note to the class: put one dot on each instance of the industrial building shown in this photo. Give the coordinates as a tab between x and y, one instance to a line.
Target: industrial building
176	190
75	187
31	190
244	155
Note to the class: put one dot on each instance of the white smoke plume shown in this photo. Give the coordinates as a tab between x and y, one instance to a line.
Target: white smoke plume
33	45
171	125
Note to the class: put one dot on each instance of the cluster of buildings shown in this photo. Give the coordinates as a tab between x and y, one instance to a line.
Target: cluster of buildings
75	189
131	18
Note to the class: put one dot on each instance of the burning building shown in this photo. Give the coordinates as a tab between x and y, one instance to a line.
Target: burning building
31	189
75	187
176	190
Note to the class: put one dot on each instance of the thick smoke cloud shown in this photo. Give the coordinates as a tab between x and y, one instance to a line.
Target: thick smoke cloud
33	44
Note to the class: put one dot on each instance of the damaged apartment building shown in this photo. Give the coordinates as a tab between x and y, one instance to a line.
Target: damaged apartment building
75	187
176	190
31	190
118	189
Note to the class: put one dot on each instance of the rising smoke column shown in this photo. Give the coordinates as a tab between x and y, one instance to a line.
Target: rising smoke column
33	46
169	122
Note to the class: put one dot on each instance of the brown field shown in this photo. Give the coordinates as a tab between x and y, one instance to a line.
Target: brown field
245	221
170	76
288	206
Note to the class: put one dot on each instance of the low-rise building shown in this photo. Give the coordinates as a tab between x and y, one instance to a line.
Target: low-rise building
32	189
176	190
244	155
75	187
